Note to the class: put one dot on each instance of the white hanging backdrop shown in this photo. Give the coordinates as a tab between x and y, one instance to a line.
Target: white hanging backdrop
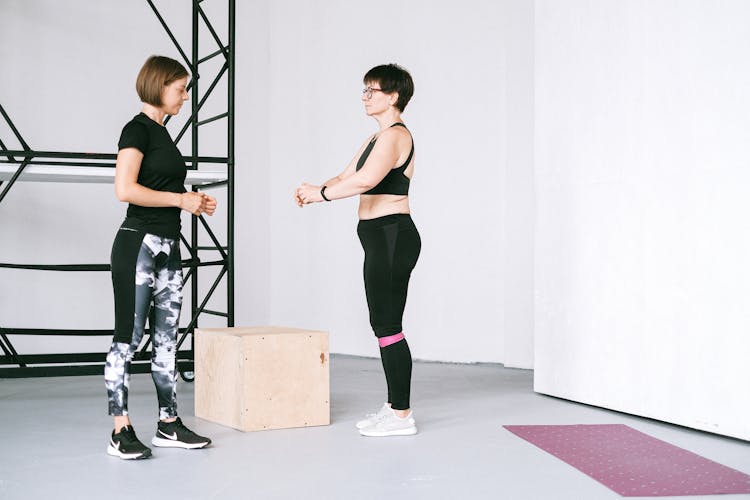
642	257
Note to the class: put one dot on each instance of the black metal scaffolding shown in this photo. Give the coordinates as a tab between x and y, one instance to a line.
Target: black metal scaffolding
14	364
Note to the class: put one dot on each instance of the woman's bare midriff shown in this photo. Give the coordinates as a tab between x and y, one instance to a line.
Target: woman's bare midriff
372	206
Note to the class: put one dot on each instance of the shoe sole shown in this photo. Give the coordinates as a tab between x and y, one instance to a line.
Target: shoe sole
168	443
401	432
363	425
127	456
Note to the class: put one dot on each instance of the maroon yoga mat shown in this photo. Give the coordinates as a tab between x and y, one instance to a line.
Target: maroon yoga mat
632	463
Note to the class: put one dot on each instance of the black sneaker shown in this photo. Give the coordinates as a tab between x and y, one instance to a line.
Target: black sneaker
176	435
125	445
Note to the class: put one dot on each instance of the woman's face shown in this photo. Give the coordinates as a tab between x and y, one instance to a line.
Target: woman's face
174	95
375	100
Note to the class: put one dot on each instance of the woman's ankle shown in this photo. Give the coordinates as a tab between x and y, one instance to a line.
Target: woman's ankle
402	413
121	422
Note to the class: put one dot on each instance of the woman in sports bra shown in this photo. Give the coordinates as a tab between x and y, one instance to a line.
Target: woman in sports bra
381	173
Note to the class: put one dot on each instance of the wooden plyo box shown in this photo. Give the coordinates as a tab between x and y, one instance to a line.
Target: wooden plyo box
262	378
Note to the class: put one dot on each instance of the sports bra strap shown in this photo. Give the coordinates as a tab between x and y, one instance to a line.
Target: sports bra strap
411	152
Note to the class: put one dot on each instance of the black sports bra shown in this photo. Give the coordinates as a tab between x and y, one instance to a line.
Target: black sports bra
396	181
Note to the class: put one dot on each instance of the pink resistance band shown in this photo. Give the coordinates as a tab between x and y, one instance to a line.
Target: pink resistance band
386	341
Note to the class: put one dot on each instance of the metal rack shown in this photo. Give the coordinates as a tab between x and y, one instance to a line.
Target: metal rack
54	166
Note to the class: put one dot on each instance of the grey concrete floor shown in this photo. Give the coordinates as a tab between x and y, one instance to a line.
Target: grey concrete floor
54	431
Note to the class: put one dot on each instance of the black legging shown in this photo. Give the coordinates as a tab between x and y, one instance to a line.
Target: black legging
145	267
392	245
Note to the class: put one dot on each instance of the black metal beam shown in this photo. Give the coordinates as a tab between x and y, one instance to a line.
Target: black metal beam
212	55
65	371
196	106
171	36
211	185
204	264
69	155
187	244
9	350
13	179
4	148
59	332
211	235
192	323
57	267
194	115
183	364
59	158
215	313
230	165
213	118
211	30
100	267
14	129
80	357
212	248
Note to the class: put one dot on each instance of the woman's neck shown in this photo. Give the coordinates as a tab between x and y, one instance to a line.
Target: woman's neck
156	114
388	118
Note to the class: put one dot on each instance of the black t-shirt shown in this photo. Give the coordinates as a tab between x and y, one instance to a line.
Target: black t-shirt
162	169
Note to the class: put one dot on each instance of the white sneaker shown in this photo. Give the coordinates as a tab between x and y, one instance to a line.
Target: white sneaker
391	425
372	418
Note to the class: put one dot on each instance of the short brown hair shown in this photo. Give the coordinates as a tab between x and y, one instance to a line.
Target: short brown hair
392	78
156	73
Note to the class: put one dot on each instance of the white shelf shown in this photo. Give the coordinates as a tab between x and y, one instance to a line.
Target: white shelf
96	175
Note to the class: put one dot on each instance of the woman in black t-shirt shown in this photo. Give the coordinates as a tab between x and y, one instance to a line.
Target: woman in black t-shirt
146	264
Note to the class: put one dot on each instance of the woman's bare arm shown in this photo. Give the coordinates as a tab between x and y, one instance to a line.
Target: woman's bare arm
128	190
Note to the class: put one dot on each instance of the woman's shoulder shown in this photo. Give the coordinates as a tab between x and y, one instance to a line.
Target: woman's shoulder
135	134
396	134
137	124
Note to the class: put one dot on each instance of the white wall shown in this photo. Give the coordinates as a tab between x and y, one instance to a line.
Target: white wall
299	117
252	194
641	149
518	328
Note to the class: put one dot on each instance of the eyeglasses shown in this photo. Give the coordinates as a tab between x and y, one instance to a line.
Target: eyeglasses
367	91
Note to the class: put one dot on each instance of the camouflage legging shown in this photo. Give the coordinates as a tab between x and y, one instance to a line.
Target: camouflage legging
144	266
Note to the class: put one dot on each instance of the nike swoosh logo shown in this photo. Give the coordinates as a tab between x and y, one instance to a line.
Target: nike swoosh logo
115	446
173	436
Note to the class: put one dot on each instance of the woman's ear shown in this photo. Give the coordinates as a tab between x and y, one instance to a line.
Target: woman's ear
394	98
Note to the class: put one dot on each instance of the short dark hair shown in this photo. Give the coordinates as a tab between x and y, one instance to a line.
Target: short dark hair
156	73
392	78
